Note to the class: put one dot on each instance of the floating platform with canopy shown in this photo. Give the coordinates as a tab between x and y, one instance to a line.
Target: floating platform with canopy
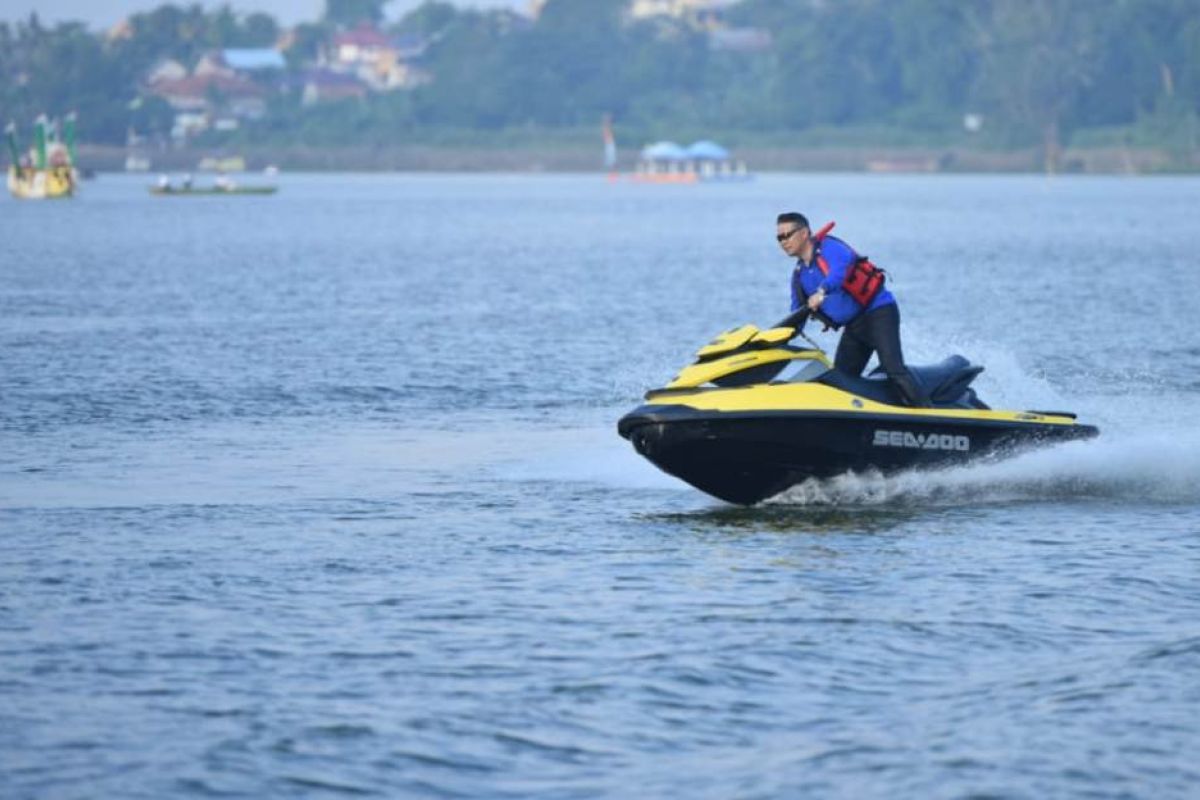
702	161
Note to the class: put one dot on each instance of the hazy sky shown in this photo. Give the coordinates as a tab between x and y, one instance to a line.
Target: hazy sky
103	13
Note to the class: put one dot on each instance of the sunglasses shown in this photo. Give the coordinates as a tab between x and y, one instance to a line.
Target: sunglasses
783	237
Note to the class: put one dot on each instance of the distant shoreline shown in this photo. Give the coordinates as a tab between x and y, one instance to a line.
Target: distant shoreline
560	158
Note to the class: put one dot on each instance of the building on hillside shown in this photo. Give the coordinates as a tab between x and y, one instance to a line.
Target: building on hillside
212	63
392	72
383	64
254	60
703	13
210	100
223	91
165	69
361	46
322	85
247	62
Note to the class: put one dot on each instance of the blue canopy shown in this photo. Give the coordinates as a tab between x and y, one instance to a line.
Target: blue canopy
254	58
664	151
706	150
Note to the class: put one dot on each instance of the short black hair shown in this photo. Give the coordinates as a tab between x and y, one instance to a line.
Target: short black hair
792	216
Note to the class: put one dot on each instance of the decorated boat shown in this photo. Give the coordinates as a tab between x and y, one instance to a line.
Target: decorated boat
47	171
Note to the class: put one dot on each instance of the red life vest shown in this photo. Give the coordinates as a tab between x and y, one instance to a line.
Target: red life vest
863	281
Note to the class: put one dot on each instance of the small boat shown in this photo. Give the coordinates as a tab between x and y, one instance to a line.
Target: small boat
181	191
754	416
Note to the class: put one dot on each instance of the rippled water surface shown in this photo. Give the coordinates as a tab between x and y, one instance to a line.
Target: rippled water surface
320	494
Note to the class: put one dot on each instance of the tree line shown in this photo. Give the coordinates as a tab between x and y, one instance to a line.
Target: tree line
1033	72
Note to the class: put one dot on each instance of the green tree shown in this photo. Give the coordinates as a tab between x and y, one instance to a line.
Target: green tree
259	30
428	19
837	65
307	40
939	66
1039	56
348	13
151	115
467	63
568	68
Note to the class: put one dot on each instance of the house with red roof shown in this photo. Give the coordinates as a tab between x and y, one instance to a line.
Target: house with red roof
383	64
323	85
210	100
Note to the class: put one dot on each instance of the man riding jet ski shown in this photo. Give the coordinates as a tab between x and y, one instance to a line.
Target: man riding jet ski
755	415
844	290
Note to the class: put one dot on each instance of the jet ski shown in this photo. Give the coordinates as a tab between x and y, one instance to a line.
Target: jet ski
755	415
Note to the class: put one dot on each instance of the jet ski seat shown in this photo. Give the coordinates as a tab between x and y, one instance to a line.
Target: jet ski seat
947	384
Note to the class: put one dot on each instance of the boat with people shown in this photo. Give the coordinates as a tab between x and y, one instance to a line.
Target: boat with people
755	415
222	185
201	191
47	171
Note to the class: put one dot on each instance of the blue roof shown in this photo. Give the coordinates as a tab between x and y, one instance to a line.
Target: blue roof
259	58
705	150
663	151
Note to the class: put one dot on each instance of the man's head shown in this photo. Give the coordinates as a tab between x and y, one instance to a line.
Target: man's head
792	233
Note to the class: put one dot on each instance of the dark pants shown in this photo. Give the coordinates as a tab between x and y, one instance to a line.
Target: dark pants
878	331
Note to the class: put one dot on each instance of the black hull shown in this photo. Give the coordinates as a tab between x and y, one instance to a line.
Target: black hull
746	457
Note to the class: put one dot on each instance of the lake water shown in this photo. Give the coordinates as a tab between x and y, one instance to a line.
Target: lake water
320	495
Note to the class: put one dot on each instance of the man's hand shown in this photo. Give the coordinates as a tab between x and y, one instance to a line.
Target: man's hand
815	299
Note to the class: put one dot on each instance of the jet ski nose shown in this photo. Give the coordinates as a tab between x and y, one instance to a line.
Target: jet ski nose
645	440
639	433
626	425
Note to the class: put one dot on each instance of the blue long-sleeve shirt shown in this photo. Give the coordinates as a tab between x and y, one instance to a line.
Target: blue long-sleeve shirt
839	306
